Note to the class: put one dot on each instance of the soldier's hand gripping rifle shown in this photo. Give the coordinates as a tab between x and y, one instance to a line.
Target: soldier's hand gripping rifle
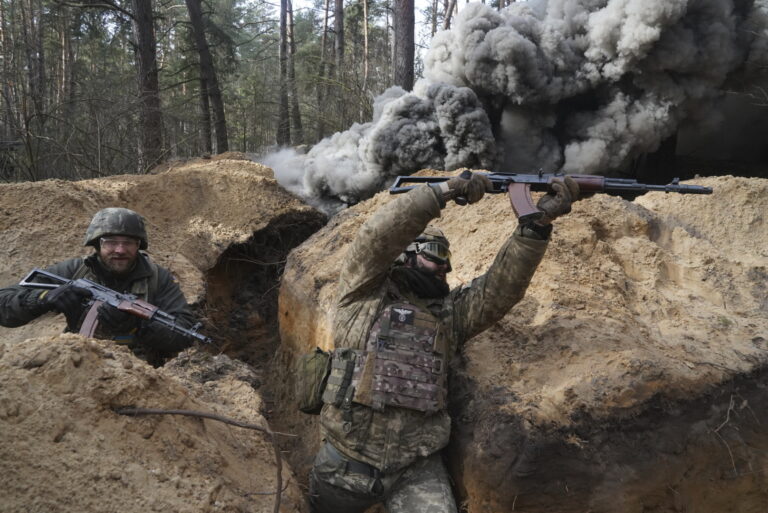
123	302
519	187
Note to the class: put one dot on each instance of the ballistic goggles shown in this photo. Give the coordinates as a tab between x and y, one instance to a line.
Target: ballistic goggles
435	251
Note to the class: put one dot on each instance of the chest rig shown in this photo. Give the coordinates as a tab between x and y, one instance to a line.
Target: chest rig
404	361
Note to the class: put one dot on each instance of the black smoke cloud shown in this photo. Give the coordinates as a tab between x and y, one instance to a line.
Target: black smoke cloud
573	85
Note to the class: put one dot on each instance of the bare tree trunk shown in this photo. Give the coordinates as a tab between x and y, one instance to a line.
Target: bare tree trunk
389	40
338	28
151	138
434	17
40	59
205	118
31	21
6	132
296	128
208	72
365	49
283	136
448	13
322	85
404	20
65	49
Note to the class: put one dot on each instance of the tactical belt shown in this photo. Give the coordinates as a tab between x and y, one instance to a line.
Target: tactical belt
353	466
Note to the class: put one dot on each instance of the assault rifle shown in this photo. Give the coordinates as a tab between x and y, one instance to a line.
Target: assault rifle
519	187
123	302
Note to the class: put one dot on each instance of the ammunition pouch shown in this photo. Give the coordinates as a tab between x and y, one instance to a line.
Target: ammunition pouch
311	376
337	389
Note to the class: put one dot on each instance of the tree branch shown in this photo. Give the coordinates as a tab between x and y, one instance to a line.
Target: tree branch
101	4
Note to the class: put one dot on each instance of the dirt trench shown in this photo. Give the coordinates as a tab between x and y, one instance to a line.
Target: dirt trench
242	288
242	298
704	454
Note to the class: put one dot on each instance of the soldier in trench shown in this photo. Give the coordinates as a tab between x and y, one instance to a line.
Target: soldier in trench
117	235
397	325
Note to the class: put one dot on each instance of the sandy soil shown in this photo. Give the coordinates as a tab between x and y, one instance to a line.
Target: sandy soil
65	449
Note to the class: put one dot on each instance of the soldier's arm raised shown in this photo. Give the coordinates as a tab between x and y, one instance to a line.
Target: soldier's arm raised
489	297
383	237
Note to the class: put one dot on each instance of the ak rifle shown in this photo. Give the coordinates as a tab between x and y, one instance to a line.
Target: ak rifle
123	302
519	187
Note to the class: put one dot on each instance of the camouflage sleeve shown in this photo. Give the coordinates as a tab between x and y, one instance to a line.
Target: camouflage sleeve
170	299
382	238
489	297
20	305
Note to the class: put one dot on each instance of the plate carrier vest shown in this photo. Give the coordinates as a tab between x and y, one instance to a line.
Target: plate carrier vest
402	365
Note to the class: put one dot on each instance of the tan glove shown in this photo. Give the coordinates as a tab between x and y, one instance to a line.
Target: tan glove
468	187
558	201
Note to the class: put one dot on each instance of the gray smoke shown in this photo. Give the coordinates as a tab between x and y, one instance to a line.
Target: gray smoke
436	126
575	85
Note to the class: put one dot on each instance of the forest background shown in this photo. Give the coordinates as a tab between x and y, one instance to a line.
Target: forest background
101	87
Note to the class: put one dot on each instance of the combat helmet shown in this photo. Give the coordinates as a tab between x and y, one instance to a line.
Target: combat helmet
433	244
116	221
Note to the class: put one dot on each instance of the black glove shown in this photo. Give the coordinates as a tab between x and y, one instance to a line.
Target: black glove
67	299
116	321
558	201
469	186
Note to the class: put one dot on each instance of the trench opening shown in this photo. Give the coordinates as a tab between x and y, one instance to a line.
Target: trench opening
243	288
241	314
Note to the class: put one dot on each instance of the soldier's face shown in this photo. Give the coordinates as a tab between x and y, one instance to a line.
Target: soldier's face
438	270
118	253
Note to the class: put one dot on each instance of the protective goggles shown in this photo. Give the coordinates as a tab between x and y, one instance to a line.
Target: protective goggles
434	251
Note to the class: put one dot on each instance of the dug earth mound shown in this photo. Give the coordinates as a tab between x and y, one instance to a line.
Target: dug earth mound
224	227
66	448
631	377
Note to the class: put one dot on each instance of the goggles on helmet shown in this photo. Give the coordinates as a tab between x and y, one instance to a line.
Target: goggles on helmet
435	251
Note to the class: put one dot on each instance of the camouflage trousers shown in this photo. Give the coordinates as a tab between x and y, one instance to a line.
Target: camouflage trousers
337	485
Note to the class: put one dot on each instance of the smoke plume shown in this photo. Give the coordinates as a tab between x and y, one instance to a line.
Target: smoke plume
574	85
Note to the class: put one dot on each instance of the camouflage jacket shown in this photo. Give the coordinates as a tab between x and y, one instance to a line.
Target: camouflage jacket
151	282
395	437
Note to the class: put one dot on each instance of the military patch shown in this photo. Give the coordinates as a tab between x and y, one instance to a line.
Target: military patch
403	315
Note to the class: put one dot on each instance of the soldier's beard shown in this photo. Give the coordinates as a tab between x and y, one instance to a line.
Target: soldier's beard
120	266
